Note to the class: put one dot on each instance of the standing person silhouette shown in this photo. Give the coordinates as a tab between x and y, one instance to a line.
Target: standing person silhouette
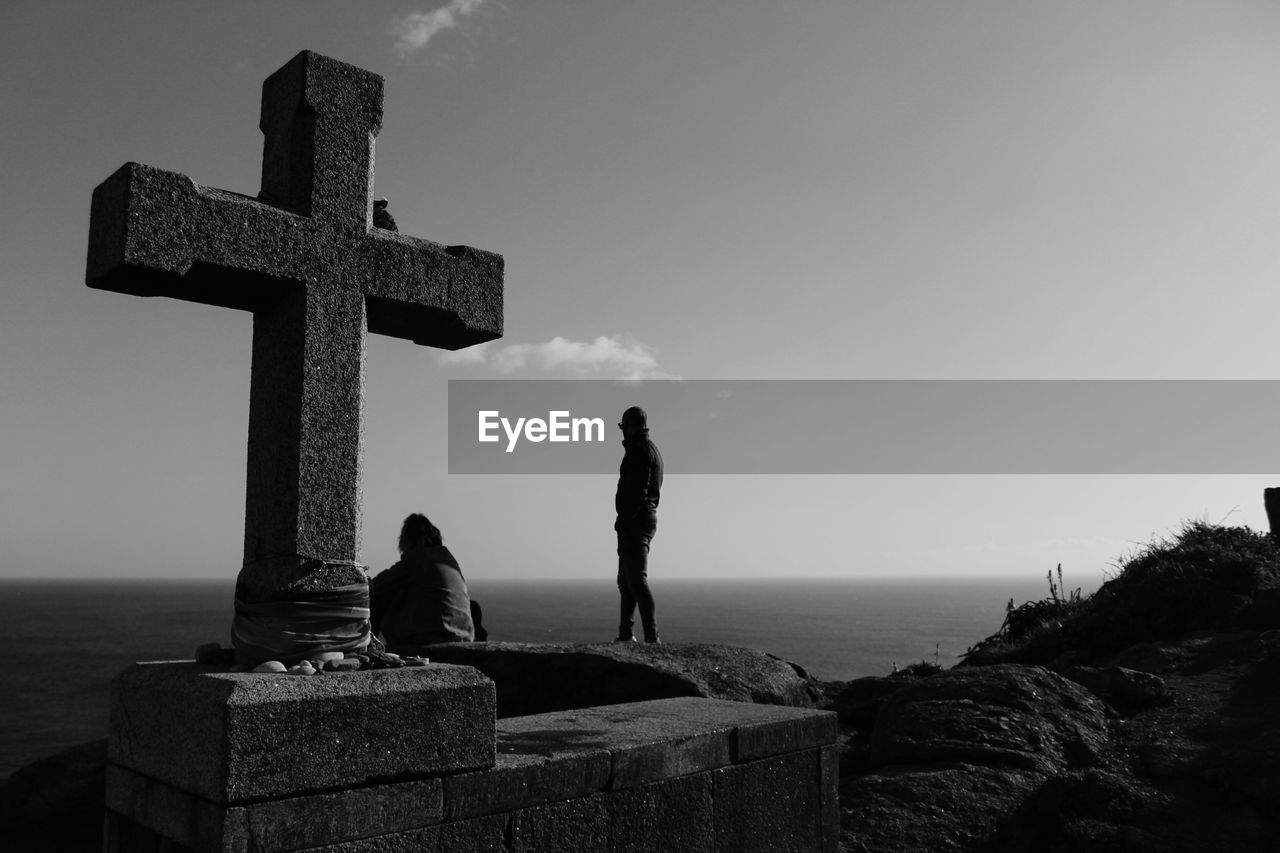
636	503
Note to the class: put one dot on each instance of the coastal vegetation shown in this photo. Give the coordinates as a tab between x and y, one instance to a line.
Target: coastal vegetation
1204	577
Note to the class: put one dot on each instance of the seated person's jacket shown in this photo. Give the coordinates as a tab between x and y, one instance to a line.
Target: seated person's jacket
420	600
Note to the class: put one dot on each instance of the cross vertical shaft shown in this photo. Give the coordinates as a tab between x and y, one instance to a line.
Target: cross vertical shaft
304	462
319	120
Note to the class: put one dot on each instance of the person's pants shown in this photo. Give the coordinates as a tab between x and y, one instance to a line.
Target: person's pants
633	582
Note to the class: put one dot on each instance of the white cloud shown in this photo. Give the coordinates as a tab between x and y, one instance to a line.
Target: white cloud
612	357
415	30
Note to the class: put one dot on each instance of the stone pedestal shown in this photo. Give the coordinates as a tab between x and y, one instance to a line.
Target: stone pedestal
413	760
236	737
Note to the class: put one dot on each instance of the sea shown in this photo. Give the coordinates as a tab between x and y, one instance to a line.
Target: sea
68	638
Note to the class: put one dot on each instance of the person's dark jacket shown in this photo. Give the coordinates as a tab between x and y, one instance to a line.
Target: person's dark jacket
420	600
639	484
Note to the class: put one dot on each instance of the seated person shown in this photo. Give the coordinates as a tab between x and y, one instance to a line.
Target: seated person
423	598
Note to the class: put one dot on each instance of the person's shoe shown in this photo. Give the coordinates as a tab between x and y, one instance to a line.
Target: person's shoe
629	638
652	638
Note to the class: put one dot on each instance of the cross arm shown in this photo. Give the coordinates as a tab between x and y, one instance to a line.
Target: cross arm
158	233
441	296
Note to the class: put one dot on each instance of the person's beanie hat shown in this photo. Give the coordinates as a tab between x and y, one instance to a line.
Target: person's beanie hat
636	416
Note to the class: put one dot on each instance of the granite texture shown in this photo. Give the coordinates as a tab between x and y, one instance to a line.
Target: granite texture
793	821
306	260
234	737
531	777
290	577
477	835
829	793
675	814
581	824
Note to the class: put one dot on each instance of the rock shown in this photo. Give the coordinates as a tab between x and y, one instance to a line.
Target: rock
213	653
1126	690
269	666
535	678
344	665
416	660
381	660
1154	658
944	808
860	701
953	755
322	657
1264	610
1085	811
1006	715
56	803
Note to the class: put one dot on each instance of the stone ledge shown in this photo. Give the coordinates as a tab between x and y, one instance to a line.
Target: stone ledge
520	780
759	731
237	737
641	747
665	738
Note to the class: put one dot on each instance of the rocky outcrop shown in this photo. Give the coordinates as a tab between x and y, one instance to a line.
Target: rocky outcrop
1022	717
950	756
56	803
1126	690
1144	718
858	702
533	678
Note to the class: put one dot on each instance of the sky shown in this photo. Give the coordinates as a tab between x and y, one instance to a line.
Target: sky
730	189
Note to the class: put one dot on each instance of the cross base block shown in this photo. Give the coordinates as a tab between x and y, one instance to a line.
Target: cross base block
230	738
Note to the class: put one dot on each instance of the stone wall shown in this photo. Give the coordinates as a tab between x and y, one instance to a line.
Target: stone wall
684	774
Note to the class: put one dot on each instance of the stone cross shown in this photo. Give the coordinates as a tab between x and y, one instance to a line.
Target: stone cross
305	258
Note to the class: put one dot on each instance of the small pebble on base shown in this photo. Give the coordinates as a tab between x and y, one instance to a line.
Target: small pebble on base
270	666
